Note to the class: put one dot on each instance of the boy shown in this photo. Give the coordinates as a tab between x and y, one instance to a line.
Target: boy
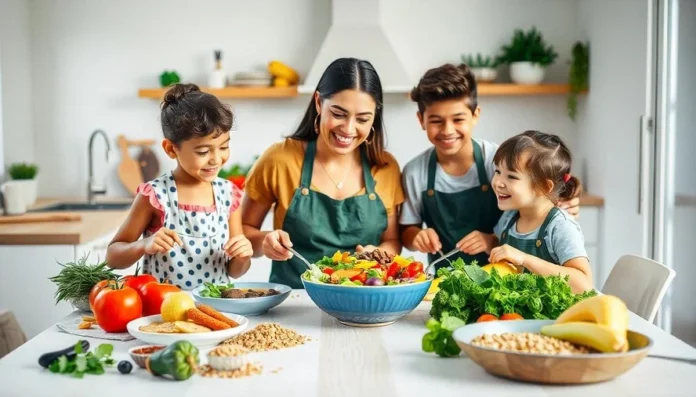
448	185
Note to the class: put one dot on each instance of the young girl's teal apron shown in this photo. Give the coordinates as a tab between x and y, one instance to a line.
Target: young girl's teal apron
454	215
535	246
319	226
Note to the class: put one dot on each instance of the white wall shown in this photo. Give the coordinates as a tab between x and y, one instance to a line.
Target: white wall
90	58
609	118
15	66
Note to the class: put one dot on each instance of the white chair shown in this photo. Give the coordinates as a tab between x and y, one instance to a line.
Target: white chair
640	282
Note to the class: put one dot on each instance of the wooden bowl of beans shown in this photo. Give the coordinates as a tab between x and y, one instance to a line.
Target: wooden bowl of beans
516	350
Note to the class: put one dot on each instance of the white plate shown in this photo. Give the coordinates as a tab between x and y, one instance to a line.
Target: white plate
202	339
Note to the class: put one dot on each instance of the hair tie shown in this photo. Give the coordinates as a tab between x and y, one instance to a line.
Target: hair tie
566	178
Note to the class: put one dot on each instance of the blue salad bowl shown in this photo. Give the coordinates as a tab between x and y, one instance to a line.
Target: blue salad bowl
366	306
246	306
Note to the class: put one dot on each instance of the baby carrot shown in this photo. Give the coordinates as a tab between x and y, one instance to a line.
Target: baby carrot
217	315
200	318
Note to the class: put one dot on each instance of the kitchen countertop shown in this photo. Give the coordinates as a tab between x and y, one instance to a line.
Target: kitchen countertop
93	224
340	361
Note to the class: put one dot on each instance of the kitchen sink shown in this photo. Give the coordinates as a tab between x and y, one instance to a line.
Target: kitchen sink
103	206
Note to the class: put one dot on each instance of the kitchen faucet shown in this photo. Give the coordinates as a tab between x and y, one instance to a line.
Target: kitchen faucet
91	189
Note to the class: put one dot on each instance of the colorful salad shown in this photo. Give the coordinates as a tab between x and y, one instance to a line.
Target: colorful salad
358	270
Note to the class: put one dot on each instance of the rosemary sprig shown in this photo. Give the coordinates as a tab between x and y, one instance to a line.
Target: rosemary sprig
75	280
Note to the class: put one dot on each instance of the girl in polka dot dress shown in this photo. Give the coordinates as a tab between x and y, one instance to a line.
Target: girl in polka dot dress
188	218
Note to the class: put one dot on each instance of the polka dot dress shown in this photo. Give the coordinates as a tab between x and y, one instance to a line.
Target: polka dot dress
204	234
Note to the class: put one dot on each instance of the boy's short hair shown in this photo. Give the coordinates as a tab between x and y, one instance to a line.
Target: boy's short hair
444	83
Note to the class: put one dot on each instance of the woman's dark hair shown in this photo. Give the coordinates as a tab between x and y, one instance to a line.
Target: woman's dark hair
548	158
349	74
189	113
444	83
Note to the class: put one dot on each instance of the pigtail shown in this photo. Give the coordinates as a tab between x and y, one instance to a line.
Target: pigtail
570	189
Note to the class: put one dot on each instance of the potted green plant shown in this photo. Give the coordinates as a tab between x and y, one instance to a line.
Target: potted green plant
579	75
528	55
484	68
25	173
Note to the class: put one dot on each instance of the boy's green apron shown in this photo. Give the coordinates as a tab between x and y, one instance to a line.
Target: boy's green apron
531	246
319	225
454	215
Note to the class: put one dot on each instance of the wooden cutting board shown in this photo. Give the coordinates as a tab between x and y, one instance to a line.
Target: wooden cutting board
149	165
41	217
129	171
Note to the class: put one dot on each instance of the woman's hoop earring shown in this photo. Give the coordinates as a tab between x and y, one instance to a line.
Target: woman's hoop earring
316	124
369	142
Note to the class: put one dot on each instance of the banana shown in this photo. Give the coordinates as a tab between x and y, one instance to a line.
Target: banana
279	69
605	310
595	336
280	82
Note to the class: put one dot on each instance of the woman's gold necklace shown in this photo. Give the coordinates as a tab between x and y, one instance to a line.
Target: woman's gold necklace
339	185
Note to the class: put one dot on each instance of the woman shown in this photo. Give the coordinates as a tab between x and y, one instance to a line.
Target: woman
331	183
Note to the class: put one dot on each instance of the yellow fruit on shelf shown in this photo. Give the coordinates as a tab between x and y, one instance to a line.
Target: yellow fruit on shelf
594	336
279	69
606	310
175	306
280	82
502	268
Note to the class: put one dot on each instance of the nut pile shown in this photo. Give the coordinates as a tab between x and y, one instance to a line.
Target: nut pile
228	350
247	369
267	336
526	342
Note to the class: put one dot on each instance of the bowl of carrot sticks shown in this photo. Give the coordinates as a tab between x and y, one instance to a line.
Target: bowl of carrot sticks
203	326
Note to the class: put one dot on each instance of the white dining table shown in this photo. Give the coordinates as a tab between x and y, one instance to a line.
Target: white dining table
340	360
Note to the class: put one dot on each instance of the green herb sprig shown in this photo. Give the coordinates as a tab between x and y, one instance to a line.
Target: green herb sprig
75	280
92	363
211	290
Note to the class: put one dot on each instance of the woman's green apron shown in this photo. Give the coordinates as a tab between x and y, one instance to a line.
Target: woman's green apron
319	225
454	215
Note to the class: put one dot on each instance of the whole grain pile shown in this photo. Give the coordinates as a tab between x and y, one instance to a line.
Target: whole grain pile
267	336
247	369
526	342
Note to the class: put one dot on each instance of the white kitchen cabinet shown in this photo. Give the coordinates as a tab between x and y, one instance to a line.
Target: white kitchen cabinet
25	288
96	252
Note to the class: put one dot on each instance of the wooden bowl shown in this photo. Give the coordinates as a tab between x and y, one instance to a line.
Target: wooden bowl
548	368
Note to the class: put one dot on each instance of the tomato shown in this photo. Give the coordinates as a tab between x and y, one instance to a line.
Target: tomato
327	270
94	291
511	316
362	277
486	317
153	294
393	270
137	281
115	306
412	270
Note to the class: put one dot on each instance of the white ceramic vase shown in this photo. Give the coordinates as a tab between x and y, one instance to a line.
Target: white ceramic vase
527	73
485	75
29	189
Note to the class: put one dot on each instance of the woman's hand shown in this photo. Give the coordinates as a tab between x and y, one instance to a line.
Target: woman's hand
506	253
476	242
427	241
162	241
274	245
572	206
238	247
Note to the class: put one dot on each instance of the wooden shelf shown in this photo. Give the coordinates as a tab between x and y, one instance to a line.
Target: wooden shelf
230	92
492	89
523	89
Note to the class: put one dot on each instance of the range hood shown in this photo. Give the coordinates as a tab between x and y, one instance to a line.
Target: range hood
356	32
